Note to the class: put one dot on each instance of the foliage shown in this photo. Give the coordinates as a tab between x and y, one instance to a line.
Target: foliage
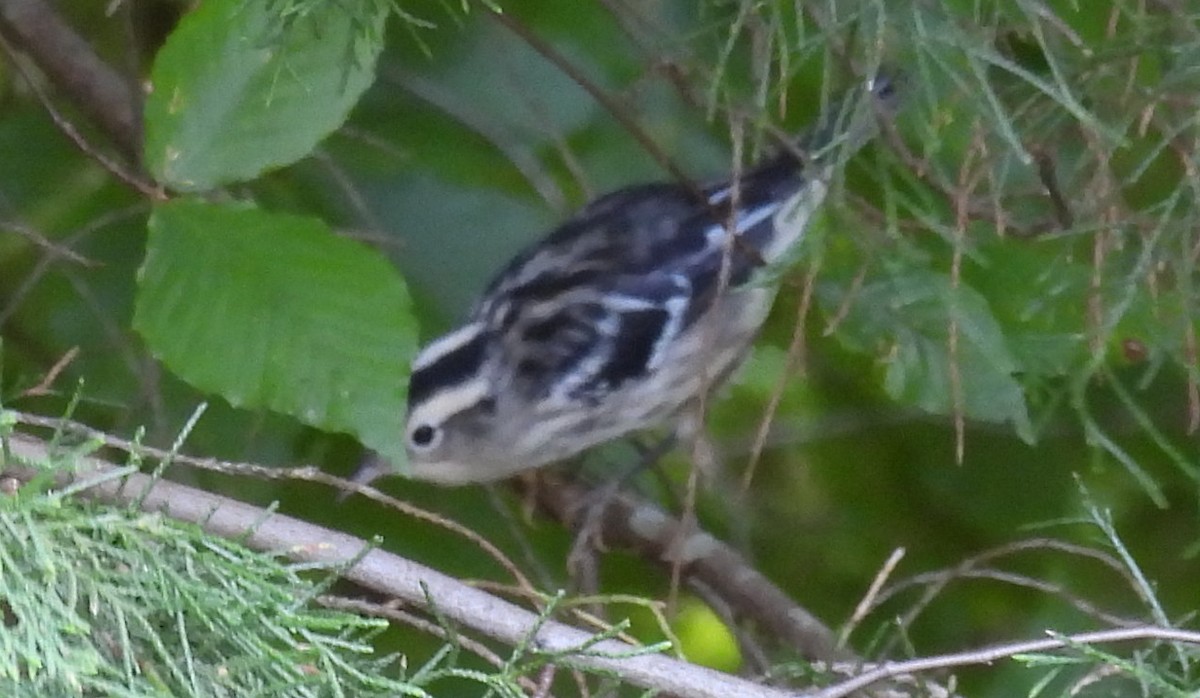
214	272
1006	281
108	601
241	87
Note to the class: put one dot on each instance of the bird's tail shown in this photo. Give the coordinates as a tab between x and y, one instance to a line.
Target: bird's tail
791	186
841	132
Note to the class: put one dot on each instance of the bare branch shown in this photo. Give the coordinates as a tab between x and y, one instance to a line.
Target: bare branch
118	170
303	473
630	523
45	243
987	655
391	574
91	84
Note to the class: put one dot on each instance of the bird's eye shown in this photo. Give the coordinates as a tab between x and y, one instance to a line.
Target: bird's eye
425	437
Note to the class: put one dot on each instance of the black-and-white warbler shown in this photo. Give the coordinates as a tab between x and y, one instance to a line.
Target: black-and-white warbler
618	319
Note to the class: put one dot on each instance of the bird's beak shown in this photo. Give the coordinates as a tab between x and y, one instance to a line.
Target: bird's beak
372	467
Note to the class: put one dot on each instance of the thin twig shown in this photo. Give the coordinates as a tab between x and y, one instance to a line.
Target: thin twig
69	61
619	111
987	655
123	174
48	245
53	254
867	602
390	574
44	385
634	524
484	124
937	581
793	365
366	608
968	179
302	473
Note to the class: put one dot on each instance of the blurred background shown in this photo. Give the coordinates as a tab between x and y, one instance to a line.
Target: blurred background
989	337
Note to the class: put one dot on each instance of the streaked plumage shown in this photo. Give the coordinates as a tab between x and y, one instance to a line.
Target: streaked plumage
609	325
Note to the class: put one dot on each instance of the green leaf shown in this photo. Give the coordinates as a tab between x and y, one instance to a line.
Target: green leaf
240	87
1036	289
906	316
274	311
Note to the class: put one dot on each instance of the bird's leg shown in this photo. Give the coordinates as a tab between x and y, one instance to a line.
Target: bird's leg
581	561
690	434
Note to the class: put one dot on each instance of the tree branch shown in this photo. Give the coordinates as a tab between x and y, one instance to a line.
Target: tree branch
95	88
391	574
988	655
627	522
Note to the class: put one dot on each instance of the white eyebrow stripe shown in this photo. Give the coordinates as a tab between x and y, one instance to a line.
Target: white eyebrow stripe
443	404
446	344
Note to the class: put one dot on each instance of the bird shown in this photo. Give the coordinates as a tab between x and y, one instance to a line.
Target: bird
622	317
